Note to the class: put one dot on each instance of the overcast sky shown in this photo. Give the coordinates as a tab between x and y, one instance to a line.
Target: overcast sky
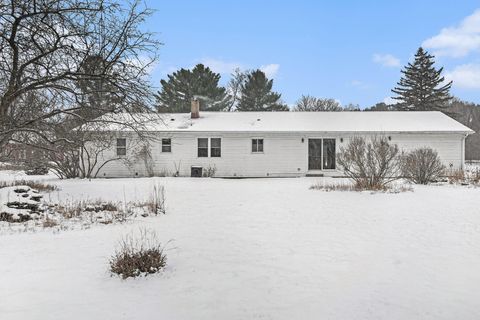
347	50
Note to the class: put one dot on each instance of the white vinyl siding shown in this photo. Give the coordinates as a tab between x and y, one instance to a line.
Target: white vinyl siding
287	155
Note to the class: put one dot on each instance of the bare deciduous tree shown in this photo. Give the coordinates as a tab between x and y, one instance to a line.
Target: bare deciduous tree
309	103
47	51
234	88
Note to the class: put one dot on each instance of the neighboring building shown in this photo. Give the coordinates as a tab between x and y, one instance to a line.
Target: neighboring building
271	144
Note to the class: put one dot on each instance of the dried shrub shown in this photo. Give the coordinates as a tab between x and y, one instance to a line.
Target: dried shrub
422	166
371	165
352	187
156	203
138	255
334	187
49	223
456	176
210	171
12	166
475	176
37	185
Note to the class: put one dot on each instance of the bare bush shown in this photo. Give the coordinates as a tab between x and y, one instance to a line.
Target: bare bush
156	203
210	171
138	255
456	176
422	166
371	165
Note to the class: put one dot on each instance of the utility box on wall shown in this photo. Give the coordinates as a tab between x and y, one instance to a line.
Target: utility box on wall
196	172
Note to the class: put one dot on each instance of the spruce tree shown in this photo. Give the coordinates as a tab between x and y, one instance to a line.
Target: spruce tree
421	87
183	85
257	94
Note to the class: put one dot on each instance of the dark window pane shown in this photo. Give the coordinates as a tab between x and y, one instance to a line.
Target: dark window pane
121	142
202	142
215	142
328	153
215	152
122	151
215	147
260	145
203	152
202	147
254	145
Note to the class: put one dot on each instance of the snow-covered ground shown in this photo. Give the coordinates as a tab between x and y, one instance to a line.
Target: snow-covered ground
257	249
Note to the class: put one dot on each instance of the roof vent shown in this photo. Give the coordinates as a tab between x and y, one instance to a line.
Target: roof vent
259	119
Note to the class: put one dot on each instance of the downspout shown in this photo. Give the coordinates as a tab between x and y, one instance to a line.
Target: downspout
463	151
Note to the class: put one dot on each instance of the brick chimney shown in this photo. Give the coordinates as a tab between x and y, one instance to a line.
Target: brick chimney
195	112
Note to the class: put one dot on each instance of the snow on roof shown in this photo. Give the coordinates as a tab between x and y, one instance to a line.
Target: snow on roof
378	121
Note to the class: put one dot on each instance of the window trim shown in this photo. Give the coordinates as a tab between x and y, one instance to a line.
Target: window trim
167	145
210	147
207	147
117	147
263	145
336	149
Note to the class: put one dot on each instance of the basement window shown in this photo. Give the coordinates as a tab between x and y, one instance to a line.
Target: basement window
215	147
121	147
166	145
202	147
257	145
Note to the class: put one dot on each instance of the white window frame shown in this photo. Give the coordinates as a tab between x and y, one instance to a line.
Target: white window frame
117	147
336	148
169	145
210	147
263	145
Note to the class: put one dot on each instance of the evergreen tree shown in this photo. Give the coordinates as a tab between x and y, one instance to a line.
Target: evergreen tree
421	86
97	95
257	94
184	85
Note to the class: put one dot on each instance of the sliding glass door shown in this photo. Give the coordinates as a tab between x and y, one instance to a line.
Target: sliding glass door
321	154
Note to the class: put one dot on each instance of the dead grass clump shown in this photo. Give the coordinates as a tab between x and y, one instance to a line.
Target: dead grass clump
12	166
37	185
354	187
469	177
335	187
456	176
138	255
156	203
49	223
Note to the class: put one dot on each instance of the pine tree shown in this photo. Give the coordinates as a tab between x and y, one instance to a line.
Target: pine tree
257	94
421	86
184	85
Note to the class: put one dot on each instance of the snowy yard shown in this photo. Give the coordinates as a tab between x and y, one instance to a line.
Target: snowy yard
257	249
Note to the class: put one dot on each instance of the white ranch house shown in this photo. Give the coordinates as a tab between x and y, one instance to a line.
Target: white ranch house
272	144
